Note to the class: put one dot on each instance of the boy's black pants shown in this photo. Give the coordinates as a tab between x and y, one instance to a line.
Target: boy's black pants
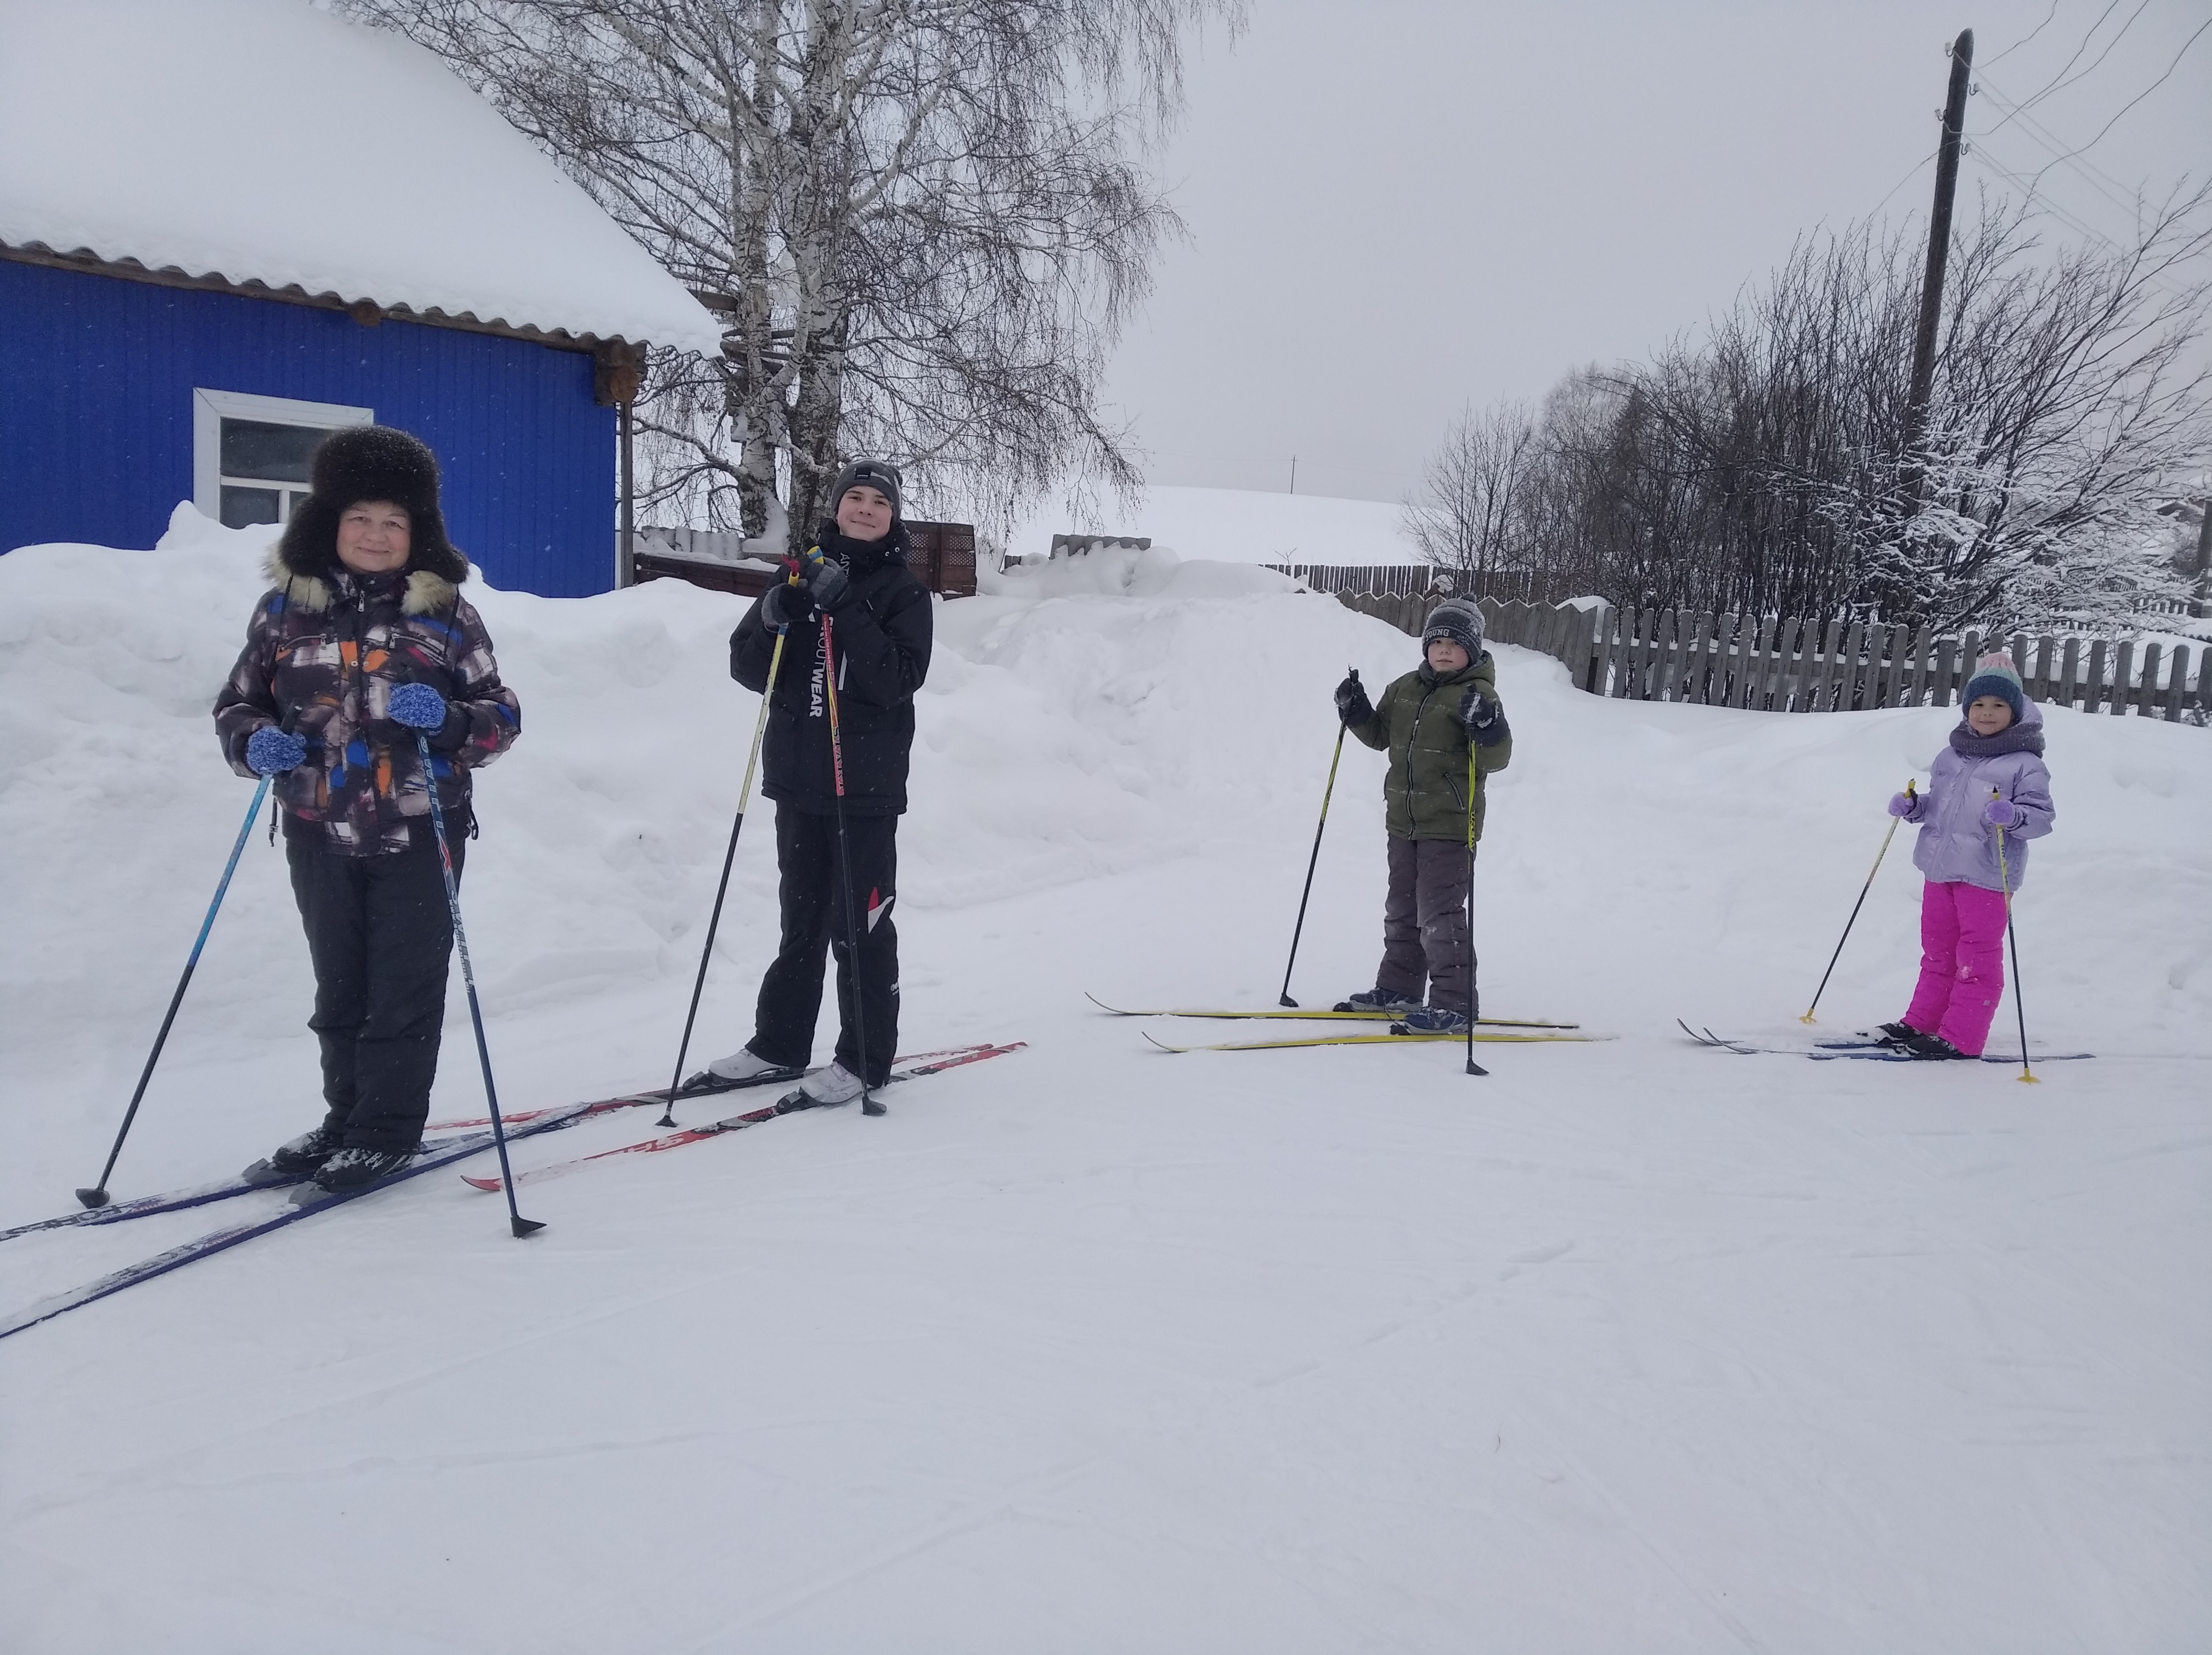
813	900
1425	924
379	934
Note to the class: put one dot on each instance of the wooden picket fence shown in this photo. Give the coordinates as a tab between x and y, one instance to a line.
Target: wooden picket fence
1772	664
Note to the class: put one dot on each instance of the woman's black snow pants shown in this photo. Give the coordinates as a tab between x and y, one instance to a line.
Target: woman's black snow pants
379	934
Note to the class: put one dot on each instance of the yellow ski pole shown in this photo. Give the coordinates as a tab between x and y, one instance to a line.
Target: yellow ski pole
2012	941
1856	906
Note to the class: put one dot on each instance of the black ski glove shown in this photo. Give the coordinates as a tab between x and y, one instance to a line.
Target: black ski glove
781	604
1351	703
827	584
1484	718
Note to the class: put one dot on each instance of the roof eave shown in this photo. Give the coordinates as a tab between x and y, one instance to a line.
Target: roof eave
363	308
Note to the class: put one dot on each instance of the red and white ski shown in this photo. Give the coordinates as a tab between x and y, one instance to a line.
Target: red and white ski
908	1071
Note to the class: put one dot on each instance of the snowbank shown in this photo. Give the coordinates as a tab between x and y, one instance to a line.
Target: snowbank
270	141
1630	1346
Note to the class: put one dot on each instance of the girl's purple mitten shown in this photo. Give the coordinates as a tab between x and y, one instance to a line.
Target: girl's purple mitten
1901	804
2000	813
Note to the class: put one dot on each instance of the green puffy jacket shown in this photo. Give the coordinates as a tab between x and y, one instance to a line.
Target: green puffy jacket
1425	794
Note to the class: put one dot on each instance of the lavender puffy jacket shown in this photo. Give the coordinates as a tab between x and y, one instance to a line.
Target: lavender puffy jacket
1955	844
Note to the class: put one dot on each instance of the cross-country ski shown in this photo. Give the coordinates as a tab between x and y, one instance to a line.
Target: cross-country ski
789	1104
1394	1037
1334	1015
1865	1048
305	1201
653	653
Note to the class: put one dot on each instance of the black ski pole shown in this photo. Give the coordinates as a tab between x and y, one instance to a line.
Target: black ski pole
1856	906
1472	1005
1314	861
730	856
870	1104
97	1195
522	1225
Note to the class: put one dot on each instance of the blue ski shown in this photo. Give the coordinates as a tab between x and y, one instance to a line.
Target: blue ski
443	1153
258	1176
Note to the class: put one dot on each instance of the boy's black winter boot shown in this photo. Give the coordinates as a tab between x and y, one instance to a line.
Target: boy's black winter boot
350	1169
300	1157
1434	1019
1378	1000
1931	1048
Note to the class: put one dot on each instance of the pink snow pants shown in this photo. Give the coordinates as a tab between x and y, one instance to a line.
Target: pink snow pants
1962	930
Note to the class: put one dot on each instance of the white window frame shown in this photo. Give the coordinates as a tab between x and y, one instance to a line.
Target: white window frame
211	407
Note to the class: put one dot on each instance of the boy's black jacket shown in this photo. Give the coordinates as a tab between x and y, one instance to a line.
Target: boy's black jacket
881	634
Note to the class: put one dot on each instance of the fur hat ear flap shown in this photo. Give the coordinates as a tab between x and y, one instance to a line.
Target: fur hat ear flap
308	549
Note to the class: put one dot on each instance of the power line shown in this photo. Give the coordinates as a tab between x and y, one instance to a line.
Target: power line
2043	135
2152	87
2053	85
1912	173
2026	38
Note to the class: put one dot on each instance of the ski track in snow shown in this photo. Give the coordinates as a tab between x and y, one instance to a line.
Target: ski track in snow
1631	1346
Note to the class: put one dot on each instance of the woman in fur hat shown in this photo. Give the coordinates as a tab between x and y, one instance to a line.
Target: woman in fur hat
880	624
364	598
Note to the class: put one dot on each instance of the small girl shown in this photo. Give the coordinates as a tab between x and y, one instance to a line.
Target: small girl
1991	778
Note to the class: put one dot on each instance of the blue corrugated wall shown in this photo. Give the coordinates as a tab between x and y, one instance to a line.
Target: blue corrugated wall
97	381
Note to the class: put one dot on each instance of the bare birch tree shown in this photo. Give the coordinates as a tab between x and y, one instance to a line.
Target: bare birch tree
923	221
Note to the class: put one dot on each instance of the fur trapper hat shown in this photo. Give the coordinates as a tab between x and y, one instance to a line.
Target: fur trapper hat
370	462
1458	619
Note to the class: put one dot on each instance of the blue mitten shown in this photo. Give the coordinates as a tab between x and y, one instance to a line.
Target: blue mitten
418	706
271	751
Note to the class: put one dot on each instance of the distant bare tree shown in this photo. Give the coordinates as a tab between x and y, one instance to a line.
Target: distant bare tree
1465	519
922	221
1764	466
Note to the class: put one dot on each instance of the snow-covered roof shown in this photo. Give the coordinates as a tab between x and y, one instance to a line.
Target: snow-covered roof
264	141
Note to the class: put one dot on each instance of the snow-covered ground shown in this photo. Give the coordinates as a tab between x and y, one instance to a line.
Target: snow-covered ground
1239	526
1631	1346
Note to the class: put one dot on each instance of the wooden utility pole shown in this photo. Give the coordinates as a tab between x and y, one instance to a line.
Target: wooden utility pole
1939	255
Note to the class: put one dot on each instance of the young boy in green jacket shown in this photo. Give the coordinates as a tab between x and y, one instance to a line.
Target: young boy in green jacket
1431	721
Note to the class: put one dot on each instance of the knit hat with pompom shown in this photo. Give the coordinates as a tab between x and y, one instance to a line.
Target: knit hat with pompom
1995	675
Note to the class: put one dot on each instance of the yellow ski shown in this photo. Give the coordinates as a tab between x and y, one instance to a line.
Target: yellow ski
1374	1040
1317	1016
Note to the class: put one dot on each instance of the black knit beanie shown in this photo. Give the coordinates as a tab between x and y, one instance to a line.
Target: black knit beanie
878	474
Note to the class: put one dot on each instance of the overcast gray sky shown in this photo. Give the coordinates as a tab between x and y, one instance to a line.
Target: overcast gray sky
1399	206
